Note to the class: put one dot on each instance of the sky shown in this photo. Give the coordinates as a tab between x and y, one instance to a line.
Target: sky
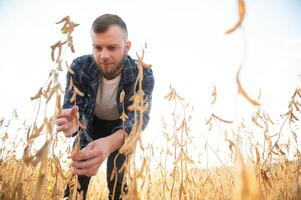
186	46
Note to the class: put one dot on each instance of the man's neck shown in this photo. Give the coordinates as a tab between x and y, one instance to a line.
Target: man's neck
114	75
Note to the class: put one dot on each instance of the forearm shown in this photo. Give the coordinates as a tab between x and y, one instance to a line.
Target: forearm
116	140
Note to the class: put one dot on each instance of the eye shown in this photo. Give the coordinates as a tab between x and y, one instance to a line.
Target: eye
112	48
97	48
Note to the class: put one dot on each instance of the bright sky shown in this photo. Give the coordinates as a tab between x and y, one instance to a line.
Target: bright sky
186	45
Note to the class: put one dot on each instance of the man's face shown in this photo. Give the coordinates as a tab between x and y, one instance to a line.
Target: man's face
109	50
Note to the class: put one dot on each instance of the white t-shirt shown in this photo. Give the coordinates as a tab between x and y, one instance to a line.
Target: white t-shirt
106	105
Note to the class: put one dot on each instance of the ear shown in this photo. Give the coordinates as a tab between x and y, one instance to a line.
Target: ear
128	45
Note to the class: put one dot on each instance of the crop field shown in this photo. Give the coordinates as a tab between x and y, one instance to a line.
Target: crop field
258	158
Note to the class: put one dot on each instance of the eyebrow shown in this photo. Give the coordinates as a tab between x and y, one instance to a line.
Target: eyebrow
110	45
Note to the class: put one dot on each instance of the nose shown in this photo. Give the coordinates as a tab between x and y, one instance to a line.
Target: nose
104	54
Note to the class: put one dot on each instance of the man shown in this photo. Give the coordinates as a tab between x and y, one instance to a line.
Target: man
101	77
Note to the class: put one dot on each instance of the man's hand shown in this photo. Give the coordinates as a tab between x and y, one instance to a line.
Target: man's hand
88	160
66	121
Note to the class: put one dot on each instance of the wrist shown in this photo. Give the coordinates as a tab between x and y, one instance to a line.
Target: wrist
116	140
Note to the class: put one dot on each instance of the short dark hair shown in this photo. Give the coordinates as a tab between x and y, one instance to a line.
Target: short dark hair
103	22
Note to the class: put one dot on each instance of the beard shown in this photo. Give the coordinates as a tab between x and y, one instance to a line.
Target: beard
111	70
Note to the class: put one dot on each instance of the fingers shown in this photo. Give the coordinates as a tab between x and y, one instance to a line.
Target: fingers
69	128
65	121
74	111
64	127
87	160
87	163
61	124
69	114
65	114
87	172
60	121
85	154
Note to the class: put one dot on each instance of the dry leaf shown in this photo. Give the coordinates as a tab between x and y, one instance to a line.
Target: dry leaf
241	12
243	92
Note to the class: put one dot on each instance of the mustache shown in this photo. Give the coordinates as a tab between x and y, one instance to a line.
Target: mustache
105	63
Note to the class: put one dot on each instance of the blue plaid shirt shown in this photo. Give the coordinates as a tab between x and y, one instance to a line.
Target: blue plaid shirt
86	79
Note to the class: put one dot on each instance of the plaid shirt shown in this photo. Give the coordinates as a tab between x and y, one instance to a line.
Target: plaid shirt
86	79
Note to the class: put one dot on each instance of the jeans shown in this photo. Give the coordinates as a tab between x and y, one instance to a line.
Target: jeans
99	129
